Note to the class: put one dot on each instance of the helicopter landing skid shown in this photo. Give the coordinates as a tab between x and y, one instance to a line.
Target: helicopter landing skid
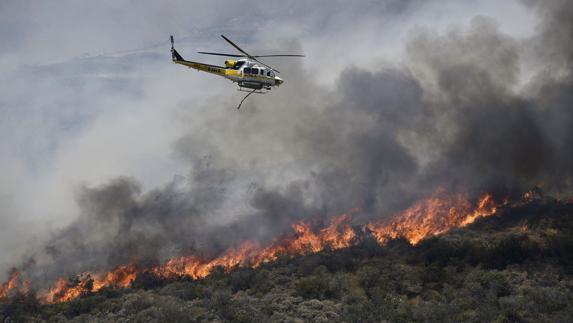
257	91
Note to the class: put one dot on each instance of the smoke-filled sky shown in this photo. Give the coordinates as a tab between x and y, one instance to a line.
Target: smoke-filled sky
110	152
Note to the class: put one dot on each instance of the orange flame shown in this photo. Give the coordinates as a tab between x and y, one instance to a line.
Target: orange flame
434	215
304	241
65	290
11	284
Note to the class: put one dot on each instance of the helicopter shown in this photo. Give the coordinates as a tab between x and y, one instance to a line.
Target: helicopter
247	71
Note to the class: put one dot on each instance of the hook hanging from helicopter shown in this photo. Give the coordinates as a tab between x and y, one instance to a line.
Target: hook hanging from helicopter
247	71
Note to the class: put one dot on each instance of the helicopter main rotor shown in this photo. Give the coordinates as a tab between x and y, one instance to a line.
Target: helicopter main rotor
247	55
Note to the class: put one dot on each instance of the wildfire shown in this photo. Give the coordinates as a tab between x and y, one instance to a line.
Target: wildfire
66	290
13	284
434	215
303	241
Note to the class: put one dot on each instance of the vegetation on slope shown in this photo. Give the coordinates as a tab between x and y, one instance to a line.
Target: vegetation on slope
514	267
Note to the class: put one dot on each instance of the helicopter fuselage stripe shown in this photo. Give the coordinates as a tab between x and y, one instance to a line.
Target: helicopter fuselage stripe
203	67
233	75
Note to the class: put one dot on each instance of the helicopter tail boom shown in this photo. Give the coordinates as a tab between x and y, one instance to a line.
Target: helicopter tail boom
178	59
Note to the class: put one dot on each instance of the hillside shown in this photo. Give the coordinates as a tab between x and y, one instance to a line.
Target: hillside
514	266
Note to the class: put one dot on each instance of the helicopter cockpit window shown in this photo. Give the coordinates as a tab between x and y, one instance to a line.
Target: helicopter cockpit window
238	65
262	72
247	70
255	70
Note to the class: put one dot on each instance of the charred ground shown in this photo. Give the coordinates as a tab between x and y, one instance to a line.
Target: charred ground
512	267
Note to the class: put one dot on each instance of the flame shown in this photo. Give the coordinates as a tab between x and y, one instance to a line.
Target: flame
196	267
66	290
303	241
431	216
435	215
11	284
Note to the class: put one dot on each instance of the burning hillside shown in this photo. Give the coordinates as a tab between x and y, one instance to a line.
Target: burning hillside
434	215
325	196
522	253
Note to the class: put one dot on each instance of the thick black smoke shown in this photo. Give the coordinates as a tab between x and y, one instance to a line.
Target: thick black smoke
454	115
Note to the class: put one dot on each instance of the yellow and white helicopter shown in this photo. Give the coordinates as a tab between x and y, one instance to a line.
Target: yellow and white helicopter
248	71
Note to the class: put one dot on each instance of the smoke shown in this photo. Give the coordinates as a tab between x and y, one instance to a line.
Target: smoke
454	114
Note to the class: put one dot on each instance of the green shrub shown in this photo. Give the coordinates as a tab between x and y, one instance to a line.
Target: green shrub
367	276
491	282
19	307
312	287
241	279
434	274
359	312
184	290
221	302
146	280
261	282
512	249
82	305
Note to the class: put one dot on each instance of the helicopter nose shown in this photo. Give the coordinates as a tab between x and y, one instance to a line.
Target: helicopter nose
278	80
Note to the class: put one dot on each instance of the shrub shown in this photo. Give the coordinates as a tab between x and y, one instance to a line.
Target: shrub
491	282
512	249
221	302
146	280
312	287
241	279
183	290
434	274
367	276
549	299
82	305
441	251
359	312
20	306
261	282
561	247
